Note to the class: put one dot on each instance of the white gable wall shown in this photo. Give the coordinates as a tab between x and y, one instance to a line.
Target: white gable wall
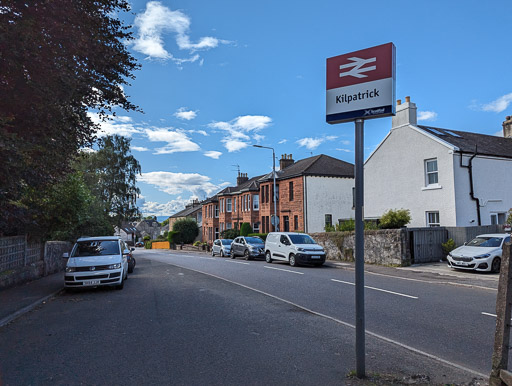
492	182
395	178
327	195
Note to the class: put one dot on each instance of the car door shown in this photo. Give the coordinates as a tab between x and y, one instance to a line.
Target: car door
235	247
282	247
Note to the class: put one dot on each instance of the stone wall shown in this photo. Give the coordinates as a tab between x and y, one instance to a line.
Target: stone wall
52	262
384	247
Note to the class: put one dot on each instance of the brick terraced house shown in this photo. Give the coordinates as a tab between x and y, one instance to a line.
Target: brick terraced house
311	193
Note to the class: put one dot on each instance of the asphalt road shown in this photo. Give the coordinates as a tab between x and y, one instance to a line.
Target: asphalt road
172	325
452	323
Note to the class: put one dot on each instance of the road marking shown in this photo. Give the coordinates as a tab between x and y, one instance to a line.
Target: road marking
428	281
236	262
285	270
486	313
378	289
369	333
206	258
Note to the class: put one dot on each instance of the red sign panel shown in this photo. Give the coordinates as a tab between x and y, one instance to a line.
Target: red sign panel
360	66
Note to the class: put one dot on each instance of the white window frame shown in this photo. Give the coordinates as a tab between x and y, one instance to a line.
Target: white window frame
216	211
256	227
495	218
432	172
229	205
432	224
256	202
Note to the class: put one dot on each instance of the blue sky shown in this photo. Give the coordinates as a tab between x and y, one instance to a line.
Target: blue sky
219	76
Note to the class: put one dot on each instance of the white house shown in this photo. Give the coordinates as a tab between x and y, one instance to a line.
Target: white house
444	177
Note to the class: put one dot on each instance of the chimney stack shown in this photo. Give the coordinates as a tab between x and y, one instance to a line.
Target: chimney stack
405	113
242	177
507	127
285	161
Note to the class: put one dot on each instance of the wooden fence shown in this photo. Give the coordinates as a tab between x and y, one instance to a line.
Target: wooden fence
17	251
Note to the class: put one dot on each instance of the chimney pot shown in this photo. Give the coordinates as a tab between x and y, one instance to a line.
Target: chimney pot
399	102
507	127
407	99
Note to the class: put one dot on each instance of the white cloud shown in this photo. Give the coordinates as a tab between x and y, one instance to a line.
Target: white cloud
120	125
282	141
345	150
239	129
151	208
213	154
313	143
427	116
158	20
499	104
176	183
177	140
185	114
139	148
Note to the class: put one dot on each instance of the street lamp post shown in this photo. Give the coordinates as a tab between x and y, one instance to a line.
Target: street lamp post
276	219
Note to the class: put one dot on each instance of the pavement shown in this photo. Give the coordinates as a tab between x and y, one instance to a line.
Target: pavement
21	299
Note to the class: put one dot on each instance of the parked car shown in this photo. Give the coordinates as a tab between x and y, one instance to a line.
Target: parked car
294	248
483	253
97	261
249	247
131	261
222	247
139	244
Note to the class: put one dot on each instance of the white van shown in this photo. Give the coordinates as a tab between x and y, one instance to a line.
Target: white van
295	248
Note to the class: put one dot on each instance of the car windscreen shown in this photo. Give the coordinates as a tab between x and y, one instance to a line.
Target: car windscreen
254	240
96	248
227	242
301	239
488	242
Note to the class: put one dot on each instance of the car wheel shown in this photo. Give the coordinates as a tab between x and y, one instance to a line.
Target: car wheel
130	268
221	253
496	264
293	262
120	286
232	255
213	253
247	255
268	257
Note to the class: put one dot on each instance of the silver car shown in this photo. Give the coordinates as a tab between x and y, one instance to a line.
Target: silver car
248	247
222	247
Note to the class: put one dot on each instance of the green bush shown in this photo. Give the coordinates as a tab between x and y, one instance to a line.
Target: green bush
146	238
148	244
329	228
396	218
230	234
197	244
346	226
188	230
172	237
262	236
448	246
245	229
509	218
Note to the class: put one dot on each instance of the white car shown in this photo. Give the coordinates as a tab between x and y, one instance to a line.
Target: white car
97	261
483	253
294	248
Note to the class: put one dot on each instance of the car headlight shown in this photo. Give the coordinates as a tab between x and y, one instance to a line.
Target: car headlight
70	269
300	249
114	266
482	256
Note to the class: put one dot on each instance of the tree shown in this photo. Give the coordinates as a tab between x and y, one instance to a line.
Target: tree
111	173
395	218
245	229
186	229
58	60
67	210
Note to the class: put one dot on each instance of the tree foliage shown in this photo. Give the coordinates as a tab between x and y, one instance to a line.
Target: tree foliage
187	230
58	60
245	229
396	218
111	174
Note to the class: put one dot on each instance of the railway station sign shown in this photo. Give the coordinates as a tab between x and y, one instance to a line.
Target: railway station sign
361	84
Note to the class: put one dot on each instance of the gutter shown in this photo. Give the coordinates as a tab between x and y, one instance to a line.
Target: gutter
471	187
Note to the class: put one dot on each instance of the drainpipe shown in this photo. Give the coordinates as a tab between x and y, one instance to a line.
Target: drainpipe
471	189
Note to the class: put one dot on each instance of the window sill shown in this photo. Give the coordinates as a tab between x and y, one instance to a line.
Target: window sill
432	187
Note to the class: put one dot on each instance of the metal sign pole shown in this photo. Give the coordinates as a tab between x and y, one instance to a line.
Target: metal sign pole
359	246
